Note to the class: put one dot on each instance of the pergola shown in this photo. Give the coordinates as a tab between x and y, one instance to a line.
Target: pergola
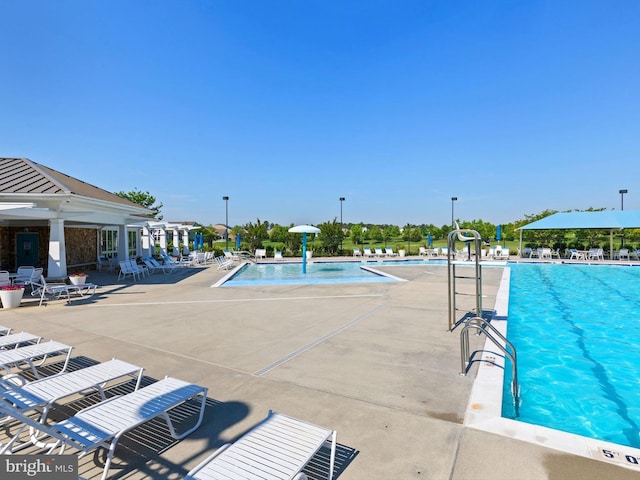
611	220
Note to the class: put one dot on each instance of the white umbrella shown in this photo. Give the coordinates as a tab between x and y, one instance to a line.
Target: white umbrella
304	229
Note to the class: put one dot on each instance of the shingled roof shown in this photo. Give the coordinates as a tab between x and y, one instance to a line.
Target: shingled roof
23	176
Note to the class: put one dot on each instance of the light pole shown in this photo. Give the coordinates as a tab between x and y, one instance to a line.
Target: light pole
453	199
342	199
622	192
226	220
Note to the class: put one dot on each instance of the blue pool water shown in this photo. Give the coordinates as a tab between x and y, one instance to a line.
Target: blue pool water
317	272
575	330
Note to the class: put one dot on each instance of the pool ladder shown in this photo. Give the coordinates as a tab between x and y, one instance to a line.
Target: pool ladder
454	275
480	325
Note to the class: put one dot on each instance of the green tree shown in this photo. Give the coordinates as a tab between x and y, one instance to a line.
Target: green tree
255	234
278	233
143	198
331	236
292	241
357	235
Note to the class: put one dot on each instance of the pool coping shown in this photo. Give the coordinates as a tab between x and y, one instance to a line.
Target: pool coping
484	410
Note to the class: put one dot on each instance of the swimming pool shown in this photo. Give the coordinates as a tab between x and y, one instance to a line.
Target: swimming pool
574	328
317	272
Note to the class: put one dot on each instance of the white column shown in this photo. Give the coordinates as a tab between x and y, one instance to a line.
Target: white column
185	242
146	242
57	266
163	241
176	242
123	240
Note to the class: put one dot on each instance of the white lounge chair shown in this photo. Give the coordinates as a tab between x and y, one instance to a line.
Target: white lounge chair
260	253
367	252
502	254
422	251
23	275
15	340
103	425
379	252
223	263
31	356
575	254
544	253
389	252
48	291
624	253
357	252
277	255
277	448
40	395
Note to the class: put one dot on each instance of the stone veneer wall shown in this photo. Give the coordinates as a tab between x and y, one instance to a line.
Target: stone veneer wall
81	245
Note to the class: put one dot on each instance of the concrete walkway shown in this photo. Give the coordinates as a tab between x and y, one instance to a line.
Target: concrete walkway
373	361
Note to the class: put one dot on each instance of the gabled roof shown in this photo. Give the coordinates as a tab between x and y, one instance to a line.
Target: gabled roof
23	176
606	219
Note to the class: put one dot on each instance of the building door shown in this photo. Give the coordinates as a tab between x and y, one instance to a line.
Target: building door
27	249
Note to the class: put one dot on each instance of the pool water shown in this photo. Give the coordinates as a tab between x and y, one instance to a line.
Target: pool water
575	331
317	272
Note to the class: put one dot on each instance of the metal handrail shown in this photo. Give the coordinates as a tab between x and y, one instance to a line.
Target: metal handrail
463	235
482	325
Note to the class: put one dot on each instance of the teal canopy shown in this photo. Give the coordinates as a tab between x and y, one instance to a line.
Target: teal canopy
606	219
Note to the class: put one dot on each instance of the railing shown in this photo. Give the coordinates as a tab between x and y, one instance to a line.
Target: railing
453	277
482	326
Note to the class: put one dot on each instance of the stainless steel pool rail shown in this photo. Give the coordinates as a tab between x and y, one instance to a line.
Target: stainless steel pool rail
467	236
480	325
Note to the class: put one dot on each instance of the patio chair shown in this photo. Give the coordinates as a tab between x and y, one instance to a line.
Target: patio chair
223	263
357	252
32	356
48	291
278	447
277	255
15	340
389	252
153	268
624	253
34	279
40	395
23	274
574	254
378	252
103	424
544	253
260	253
127	271
366	252
422	251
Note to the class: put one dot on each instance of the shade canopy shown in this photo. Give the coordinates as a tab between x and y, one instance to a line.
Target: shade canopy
304	229
606	219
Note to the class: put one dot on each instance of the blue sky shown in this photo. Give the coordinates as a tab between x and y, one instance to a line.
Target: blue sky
514	107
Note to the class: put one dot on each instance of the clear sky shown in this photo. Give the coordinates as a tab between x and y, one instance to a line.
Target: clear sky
285	106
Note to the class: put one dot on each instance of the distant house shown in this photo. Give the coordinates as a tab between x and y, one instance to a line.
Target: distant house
56	221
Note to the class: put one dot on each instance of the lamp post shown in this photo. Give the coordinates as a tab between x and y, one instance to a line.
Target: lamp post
453	199
622	192
226	220
342	199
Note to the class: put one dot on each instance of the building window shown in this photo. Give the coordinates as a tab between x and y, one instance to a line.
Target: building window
133	243
109	243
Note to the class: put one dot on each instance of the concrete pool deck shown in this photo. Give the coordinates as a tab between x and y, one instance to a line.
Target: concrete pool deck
373	361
